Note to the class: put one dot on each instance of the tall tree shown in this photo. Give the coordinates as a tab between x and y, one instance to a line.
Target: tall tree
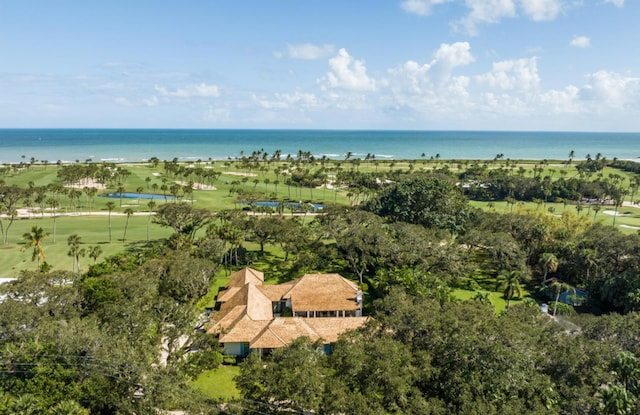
34	240
182	218
429	201
73	241
128	211
559	287
110	207
549	263
509	283
152	207
94	252
9	198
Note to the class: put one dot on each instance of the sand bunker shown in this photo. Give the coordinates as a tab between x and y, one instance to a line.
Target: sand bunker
614	213
197	186
237	173
88	182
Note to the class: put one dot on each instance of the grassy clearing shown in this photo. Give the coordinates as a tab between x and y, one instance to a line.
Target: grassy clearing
218	383
496	298
93	230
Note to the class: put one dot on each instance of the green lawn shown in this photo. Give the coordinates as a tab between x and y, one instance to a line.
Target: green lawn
93	231
496	298
218	383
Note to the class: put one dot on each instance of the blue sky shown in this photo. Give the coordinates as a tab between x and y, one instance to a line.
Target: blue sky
327	64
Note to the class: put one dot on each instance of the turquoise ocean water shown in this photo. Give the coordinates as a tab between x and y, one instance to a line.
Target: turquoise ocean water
132	145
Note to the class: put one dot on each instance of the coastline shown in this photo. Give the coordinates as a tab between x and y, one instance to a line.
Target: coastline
139	145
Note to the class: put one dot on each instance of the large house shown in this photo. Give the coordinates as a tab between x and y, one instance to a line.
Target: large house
259	318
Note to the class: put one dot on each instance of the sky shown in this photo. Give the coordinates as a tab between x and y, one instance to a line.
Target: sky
541	65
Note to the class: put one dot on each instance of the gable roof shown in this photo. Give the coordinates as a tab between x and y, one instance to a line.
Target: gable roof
246	313
247	301
283	330
239	279
322	292
244	331
246	276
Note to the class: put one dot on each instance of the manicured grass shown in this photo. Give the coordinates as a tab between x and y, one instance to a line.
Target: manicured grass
496	298
629	216
218	383
93	231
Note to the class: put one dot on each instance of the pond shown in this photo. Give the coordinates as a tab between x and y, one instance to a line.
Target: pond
135	196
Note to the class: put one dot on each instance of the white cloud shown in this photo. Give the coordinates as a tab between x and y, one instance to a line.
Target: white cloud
563	101
413	78
611	89
309	51
200	91
617	3
580	42
493	11
217	114
347	73
421	7
540	10
519	74
487	11
455	54
281	101
152	101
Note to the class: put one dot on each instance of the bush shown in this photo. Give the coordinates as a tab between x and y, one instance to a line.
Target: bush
563	309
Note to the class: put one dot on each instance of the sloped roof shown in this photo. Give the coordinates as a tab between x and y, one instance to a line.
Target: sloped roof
239	279
246	276
329	328
322	292
276	292
226	295
283	330
221	321
244	331
247	301
246	314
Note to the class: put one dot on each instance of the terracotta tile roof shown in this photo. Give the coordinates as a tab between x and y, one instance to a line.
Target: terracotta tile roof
323	292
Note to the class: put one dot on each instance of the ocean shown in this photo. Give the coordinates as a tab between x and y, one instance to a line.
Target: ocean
135	145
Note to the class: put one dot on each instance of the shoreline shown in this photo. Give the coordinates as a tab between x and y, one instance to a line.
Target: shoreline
190	145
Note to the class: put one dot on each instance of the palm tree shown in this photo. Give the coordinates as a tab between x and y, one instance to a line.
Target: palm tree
34	239
549	262
572	154
53	205
596	209
615	400
509	284
128	211
94	252
152	206
74	250
110	207
560	287
120	191
68	408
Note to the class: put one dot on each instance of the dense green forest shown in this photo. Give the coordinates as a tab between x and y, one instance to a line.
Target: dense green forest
124	334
